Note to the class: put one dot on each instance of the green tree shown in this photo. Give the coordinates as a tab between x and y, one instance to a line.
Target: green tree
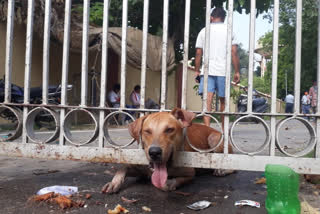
244	61
176	16
286	56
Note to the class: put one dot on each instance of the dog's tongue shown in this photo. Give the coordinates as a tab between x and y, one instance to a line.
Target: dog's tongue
160	175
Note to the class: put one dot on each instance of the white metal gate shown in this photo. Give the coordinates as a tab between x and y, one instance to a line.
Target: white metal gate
117	154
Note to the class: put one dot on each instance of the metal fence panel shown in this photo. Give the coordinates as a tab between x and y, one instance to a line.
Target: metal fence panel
106	151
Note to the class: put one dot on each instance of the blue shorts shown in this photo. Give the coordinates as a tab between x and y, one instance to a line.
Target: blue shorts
215	83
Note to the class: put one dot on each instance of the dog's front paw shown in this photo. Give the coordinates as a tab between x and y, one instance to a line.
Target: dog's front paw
111	187
171	185
222	172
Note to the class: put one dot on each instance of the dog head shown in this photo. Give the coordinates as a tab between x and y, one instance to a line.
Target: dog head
161	135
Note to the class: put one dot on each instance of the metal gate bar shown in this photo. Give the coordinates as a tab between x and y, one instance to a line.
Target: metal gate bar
104	63
144	52
164	55
274	76
124	52
185	54
137	156
27	74
318	85
65	66
8	63
228	78
251	53
46	52
85	49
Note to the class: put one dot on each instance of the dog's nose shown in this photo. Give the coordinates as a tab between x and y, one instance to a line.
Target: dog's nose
155	153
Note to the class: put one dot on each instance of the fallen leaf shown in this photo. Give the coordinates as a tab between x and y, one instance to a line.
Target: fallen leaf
260	180
182	193
129	201
146	209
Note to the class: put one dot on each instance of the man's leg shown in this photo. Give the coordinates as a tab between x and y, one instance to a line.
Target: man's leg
287	108
222	109
220	82
206	120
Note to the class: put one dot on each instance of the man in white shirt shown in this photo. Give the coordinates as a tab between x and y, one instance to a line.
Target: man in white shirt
217	60
114	97
289	100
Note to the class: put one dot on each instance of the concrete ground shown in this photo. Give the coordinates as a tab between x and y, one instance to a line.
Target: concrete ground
21	178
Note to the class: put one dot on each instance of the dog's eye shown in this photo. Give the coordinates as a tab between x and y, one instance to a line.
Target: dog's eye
169	130
147	131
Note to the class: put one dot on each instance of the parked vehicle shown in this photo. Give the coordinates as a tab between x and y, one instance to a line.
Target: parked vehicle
17	96
259	104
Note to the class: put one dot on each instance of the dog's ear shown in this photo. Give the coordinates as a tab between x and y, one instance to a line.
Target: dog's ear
184	116
135	128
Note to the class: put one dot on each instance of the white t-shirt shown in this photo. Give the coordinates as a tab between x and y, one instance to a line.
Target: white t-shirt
113	98
289	98
218	48
305	100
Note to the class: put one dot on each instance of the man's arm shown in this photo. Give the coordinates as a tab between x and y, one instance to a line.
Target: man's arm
199	53
236	63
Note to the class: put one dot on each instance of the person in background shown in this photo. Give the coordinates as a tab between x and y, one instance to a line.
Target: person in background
135	96
114	96
313	93
217	60
305	102
135	99
289	100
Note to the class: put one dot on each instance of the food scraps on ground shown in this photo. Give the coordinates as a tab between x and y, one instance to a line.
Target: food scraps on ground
43	197
146	209
260	180
63	201
118	209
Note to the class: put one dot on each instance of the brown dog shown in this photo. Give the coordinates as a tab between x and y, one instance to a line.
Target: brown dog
161	136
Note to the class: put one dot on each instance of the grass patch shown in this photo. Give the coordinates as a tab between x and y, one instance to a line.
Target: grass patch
310	154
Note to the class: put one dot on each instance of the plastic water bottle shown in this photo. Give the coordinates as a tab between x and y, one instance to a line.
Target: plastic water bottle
282	189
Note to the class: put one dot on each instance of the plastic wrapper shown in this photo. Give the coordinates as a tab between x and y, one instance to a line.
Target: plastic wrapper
247	203
200	205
